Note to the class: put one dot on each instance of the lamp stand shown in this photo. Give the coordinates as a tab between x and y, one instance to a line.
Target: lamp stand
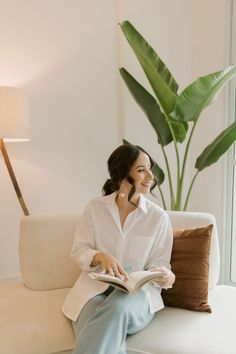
13	177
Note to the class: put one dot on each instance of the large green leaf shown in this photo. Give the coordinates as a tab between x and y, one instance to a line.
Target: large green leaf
157	171
180	129
190	103
217	148
160	78
151	108
141	46
158	174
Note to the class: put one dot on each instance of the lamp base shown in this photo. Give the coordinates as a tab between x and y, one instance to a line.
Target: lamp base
13	177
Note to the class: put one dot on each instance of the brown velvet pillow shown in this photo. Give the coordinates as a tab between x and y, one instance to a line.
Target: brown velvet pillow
190	264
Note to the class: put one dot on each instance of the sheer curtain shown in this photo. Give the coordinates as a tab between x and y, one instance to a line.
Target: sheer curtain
228	266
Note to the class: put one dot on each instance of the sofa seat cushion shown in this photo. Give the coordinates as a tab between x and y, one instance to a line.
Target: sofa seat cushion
31	322
179	331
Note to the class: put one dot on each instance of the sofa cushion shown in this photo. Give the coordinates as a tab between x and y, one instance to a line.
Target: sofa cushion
31	322
179	331
44	248
185	220
190	264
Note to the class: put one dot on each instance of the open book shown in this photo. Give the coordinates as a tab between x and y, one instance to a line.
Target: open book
135	282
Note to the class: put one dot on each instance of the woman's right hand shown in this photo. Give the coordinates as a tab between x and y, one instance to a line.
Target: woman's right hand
110	265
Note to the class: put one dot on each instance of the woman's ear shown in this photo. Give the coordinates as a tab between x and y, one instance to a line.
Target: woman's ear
124	188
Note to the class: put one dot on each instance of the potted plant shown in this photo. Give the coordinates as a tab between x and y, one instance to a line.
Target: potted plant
173	114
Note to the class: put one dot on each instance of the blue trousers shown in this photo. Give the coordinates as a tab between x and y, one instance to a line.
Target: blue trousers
107	318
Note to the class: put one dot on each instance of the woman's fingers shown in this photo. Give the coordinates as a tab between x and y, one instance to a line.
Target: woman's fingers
167	278
111	266
115	269
111	271
117	272
123	273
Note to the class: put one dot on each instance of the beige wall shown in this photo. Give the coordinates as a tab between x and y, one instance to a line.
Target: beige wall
63	53
210	46
66	55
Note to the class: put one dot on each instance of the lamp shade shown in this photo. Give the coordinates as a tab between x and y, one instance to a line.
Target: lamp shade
14	114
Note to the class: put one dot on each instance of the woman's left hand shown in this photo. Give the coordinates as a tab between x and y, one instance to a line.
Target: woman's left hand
165	280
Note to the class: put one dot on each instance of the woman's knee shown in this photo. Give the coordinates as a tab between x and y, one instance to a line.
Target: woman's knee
123	303
136	299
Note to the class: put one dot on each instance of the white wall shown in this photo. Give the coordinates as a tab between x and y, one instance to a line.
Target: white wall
66	55
210	46
63	53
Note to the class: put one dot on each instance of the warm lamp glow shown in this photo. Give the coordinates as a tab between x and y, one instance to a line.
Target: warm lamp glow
14	126
14	114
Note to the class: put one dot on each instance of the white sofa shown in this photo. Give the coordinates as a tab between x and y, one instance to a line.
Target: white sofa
31	321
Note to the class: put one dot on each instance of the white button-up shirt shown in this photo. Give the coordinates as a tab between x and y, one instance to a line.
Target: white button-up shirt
144	242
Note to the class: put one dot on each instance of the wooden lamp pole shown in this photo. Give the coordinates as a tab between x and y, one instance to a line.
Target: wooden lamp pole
13	177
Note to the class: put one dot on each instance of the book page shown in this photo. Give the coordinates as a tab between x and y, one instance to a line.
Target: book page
138	279
110	279
135	281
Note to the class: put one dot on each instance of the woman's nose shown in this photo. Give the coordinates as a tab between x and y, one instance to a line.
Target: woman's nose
150	175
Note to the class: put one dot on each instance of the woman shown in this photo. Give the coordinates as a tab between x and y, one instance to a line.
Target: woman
119	232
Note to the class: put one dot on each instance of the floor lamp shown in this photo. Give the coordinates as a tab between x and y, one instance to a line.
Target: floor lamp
14	127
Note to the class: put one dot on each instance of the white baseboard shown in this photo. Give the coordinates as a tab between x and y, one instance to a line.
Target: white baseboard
11	279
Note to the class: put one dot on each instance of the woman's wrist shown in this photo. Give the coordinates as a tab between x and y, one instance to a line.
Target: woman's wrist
96	260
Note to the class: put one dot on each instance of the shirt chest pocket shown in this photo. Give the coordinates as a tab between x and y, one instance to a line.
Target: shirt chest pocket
141	246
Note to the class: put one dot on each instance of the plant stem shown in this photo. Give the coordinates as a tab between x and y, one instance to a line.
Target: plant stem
189	191
172	196
162	197
173	202
180	185
173	207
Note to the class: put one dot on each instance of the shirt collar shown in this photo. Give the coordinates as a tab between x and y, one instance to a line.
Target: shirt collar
110	199
142	203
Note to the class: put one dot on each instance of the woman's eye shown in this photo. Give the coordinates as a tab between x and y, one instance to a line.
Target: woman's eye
141	170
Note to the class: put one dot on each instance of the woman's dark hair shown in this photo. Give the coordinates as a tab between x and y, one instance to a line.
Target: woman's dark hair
119	164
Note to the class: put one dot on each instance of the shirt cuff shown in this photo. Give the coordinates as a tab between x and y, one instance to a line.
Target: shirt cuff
86	259
156	285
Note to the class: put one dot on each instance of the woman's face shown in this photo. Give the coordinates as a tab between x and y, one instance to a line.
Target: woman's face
141	173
